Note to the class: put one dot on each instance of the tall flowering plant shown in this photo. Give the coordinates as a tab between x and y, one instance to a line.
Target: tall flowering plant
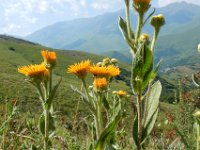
106	113
40	76
146	91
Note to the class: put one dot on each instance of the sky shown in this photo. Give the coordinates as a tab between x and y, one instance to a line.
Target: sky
22	17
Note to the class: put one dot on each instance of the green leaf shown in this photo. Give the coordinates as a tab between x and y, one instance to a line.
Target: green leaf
142	68
123	28
51	124
107	132
152	108
135	130
105	103
52	94
91	107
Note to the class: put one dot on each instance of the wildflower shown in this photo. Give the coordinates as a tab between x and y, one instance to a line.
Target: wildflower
158	21
144	38
100	84
37	72
49	58
121	93
108	71
141	6
80	69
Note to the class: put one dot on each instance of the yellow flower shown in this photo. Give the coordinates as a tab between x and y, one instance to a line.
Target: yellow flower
80	69
34	71
49	58
100	84
102	71
121	93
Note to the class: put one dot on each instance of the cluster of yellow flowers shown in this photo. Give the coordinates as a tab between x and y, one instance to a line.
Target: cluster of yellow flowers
40	72
101	73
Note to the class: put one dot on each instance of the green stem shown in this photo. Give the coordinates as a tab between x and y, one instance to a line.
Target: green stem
46	138
98	117
139	27
86	89
156	32
198	126
50	80
139	110
128	19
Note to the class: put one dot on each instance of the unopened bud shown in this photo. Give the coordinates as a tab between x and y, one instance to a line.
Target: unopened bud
144	38
99	64
157	21
198	48
114	61
106	61
197	114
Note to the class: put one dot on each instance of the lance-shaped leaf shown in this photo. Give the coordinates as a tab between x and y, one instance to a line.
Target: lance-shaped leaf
110	128
42	124
84	97
152	108
52	93
142	68
135	130
123	28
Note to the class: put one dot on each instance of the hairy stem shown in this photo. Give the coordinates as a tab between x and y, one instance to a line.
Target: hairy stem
156	32
139	27
46	138
139	110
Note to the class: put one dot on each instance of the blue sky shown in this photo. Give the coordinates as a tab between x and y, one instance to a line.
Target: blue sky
22	17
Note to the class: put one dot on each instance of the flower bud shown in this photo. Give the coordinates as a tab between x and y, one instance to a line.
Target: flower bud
198	48
144	38
141	6
106	61
99	64
114	61
197	114
157	21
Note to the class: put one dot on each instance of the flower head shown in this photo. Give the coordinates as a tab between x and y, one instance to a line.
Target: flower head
157	21
37	72
80	69
104	71
49	58
144	38
121	93
100	84
141	6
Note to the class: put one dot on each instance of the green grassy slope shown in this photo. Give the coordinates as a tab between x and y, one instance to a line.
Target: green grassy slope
15	52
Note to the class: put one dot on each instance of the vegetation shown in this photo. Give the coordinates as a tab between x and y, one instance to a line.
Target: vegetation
105	104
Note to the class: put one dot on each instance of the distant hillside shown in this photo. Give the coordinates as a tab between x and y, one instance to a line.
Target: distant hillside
101	33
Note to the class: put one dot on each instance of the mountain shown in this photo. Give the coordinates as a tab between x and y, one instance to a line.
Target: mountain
101	33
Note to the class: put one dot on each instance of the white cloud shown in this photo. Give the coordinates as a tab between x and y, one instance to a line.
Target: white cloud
166	2
107	5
